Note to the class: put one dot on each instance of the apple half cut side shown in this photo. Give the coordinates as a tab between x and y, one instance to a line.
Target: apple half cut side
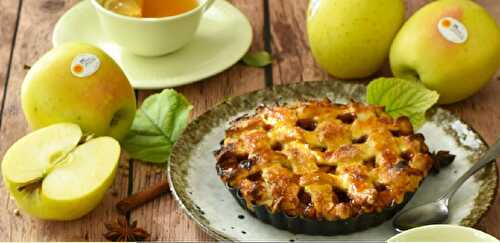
56	173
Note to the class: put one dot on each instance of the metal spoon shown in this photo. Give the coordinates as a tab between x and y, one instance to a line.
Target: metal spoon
436	212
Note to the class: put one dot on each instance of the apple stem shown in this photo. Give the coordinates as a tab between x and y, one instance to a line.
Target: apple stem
86	138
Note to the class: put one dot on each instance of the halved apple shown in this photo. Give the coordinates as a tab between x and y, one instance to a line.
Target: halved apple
57	173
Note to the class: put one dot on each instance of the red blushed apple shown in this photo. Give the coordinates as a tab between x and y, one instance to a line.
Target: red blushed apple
451	46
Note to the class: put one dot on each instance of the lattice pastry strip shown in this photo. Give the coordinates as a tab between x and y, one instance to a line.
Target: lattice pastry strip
322	160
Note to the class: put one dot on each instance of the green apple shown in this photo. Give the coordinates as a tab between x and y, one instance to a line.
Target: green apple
55	173
79	83
451	46
351	38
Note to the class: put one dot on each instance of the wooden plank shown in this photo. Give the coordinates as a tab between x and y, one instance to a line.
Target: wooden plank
163	218
8	18
294	63
33	39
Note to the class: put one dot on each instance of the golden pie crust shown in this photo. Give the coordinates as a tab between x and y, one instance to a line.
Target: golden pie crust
323	161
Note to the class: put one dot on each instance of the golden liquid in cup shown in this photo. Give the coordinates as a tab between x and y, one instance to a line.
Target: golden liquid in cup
149	8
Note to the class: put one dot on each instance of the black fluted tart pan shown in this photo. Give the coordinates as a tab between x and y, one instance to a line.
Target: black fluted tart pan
299	225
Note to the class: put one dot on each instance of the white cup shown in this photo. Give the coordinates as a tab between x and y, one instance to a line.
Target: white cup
443	233
151	36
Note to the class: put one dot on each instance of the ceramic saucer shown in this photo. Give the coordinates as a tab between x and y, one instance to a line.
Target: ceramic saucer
223	37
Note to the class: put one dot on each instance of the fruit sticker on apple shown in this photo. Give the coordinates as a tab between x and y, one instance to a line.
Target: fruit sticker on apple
57	173
85	65
453	30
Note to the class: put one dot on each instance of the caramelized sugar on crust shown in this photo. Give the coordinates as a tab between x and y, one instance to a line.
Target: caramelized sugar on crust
321	160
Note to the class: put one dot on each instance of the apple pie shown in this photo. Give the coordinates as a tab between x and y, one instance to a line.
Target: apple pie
317	162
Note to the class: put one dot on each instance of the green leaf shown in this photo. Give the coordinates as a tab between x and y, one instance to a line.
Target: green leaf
402	98
157	125
257	59
417	120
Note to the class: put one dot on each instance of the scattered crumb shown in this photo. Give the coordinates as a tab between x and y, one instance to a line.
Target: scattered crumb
17	212
243	232
241	216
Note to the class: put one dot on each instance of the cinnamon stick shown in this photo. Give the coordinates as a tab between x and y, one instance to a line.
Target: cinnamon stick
136	200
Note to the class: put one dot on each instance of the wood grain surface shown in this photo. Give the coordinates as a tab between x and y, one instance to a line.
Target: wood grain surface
34	32
8	24
279	27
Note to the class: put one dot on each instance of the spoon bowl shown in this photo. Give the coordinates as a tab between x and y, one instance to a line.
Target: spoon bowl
437	212
430	213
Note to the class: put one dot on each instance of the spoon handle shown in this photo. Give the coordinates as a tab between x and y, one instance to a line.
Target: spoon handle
488	157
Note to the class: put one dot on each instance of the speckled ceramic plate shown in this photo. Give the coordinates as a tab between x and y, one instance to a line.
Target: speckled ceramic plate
204	198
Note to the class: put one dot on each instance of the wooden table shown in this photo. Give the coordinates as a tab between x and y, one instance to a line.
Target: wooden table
279	27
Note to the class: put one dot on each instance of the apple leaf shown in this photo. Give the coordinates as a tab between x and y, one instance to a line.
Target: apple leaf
402	98
417	119
257	59
157	125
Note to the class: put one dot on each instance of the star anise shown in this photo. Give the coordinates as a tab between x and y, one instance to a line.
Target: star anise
441	159
122	231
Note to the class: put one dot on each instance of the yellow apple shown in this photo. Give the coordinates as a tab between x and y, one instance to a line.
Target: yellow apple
351	38
81	84
451	46
55	173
